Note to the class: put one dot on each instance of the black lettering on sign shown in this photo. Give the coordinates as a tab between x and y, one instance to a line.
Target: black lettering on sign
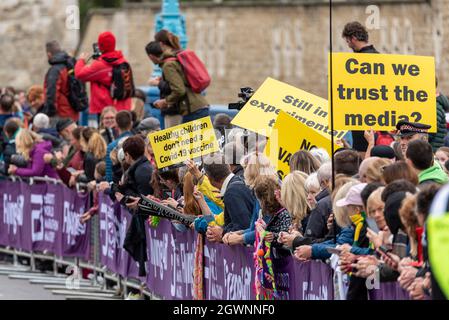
281	174
284	155
400	69
306	145
352	67
386	119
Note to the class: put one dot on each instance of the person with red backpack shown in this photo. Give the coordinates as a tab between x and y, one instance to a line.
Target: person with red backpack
110	76
184	78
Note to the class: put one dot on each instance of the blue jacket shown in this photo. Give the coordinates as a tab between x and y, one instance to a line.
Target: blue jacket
111	147
319	250
203	222
361	251
5	117
249	235
238	206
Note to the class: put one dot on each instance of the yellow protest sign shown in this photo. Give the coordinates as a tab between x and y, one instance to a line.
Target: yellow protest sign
289	136
260	112
183	142
438	233
376	91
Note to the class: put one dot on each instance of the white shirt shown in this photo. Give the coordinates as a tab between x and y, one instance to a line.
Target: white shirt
224	187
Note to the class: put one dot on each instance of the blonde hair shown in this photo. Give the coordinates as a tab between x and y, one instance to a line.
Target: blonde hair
341	214
138	106
294	196
374	171
257	165
303	174
375	197
25	142
340	181
304	161
97	146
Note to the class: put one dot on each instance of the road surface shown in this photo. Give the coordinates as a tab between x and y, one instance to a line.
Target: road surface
23	290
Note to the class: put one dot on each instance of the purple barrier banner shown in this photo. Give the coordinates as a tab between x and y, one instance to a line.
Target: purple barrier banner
47	217
15	215
109	236
389	291
170	261
114	222
75	235
228	270
44	217
313	281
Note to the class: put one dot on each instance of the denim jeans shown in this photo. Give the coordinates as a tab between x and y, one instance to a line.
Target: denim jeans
196	115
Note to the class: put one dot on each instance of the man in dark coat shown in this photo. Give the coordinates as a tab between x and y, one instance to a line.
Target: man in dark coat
357	37
138	177
56	85
136	183
436	140
237	197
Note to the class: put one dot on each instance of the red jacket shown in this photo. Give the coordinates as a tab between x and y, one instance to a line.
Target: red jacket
99	74
56	88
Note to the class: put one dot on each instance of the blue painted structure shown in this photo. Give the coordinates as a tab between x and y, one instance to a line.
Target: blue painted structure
172	20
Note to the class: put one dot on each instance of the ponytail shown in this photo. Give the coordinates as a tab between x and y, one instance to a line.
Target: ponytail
174	41
168	39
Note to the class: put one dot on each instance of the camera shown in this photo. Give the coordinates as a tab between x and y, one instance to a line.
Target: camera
245	94
19	161
97	52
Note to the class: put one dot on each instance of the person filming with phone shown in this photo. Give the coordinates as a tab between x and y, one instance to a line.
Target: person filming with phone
110	76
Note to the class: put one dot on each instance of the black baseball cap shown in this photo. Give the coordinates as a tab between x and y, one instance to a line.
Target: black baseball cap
382	151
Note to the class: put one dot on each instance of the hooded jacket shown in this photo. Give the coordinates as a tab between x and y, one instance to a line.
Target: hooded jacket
37	166
99	74
8	149
433	174
137	178
315	223
181	94
436	140
56	88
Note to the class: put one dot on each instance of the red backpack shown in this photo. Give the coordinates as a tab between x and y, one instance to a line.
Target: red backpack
384	138
196	73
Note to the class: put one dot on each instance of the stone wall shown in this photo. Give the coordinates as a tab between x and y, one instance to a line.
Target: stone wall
25	27
240	44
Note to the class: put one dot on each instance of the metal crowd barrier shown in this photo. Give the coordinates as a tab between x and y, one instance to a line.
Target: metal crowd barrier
122	284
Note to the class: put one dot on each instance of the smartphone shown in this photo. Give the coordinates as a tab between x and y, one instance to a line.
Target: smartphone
384	249
71	170
334	251
371	223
